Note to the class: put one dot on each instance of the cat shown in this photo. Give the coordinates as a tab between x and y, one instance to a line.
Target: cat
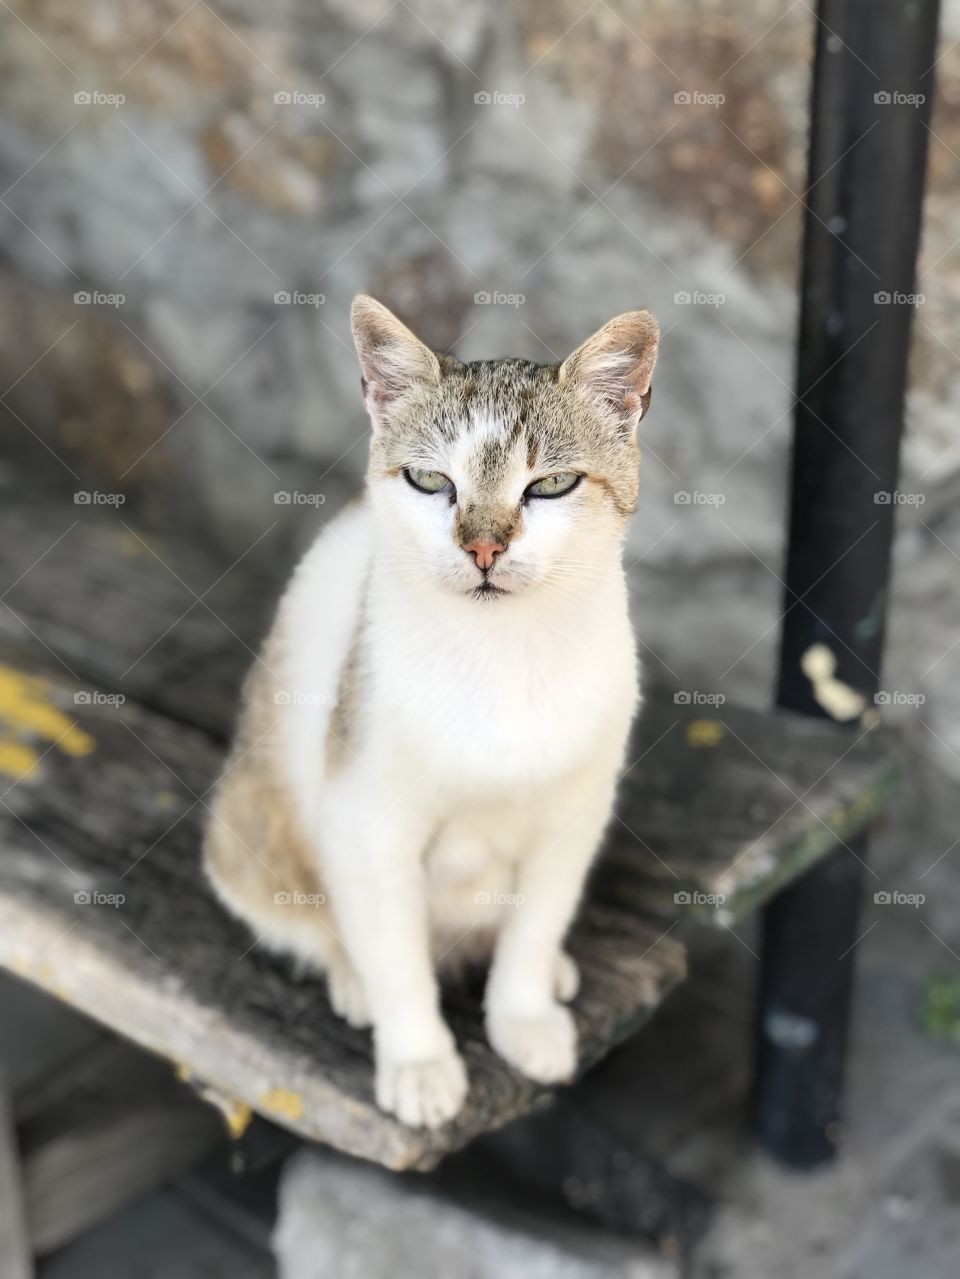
429	744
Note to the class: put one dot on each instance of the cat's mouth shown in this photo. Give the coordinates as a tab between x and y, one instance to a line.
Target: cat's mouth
487	591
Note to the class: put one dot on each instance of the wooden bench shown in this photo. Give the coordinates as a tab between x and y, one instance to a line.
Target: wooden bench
102	902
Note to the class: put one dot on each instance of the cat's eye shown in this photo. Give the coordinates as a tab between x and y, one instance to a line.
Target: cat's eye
428	481
555	485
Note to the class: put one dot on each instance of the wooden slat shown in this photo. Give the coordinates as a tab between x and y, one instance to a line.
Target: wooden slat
165	623
117	812
721	807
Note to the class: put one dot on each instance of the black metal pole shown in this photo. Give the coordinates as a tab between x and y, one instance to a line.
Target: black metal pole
872	88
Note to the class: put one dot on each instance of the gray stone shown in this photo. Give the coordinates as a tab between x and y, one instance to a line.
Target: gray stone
340	1220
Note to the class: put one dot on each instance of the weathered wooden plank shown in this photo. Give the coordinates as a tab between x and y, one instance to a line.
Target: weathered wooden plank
724	807
165	623
717	802
102	903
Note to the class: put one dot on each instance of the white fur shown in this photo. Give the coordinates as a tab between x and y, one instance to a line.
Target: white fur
473	795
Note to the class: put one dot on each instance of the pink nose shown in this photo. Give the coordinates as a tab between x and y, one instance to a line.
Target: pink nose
484	552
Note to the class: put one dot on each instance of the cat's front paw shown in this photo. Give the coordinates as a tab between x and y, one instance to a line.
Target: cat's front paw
542	1047
422	1094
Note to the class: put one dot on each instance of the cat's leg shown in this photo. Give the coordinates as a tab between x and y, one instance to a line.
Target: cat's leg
348	995
566	978
373	840
530	974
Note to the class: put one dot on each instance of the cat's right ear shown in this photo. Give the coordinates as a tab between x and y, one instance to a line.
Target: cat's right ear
391	357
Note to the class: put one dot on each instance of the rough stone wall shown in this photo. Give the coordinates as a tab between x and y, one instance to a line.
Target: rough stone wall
436	152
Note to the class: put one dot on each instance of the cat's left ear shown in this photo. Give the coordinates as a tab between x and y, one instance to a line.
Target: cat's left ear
615	366
392	359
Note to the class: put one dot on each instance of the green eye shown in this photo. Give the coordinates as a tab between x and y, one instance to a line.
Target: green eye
555	485
427	481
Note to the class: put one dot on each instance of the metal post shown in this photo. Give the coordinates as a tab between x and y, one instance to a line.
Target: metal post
872	88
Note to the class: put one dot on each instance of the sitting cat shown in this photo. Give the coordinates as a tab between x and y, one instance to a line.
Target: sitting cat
429	744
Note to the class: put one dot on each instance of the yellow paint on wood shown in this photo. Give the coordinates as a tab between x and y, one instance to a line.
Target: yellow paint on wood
237	1116
27	711
40	974
17	759
282	1102
705	732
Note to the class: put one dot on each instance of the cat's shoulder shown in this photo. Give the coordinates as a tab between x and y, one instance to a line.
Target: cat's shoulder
340	553
320	611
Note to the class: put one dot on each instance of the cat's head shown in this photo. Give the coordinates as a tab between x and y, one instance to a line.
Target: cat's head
501	476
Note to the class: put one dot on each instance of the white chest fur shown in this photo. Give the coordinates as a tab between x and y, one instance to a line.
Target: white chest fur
507	692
